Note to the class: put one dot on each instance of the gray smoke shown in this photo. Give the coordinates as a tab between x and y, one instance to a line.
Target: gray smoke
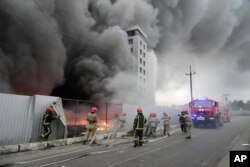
82	44
211	36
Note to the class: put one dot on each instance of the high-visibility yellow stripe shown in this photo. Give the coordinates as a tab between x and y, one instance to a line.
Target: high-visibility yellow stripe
44	121
46	133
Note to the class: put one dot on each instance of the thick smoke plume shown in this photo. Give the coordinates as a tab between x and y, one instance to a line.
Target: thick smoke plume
79	48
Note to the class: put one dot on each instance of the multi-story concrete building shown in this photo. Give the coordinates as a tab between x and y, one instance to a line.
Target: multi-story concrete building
146	63
151	74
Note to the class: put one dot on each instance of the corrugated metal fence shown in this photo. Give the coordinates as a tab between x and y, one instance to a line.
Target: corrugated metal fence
21	118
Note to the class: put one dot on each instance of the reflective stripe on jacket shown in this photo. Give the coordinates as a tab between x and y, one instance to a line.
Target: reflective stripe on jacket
92	118
139	122
48	118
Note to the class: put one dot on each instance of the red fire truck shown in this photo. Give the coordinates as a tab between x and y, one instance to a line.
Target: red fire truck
205	111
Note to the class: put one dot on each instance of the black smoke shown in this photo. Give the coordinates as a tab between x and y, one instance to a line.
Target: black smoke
79	49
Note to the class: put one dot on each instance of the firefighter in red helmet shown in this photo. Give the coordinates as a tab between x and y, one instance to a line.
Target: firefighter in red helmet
92	118
48	117
166	124
122	120
138	126
115	124
152	124
187	124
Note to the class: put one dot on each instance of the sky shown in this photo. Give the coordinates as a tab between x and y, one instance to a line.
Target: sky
79	48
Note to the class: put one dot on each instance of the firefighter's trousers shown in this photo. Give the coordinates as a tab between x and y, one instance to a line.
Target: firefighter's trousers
47	132
183	128
138	135
166	129
91	129
188	129
152	130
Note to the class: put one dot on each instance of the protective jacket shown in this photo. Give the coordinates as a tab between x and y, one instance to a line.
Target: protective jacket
187	120
182	120
139	122
92	118
153	122
166	120
48	118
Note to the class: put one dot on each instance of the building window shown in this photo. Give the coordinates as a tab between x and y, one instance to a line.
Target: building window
144	46
140	51
131	33
144	63
140	70
141	43
144	72
140	60
144	54
130	41
131	49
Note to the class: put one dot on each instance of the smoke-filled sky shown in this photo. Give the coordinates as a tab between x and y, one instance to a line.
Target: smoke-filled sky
79	48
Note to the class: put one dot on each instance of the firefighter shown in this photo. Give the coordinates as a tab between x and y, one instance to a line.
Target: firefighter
139	122
92	118
115	124
48	117
188	125
122	120
182	122
146	126
166	124
152	124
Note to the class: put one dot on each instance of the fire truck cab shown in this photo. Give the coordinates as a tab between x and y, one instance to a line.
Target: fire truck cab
205	111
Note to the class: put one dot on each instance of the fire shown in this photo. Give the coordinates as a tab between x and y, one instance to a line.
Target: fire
102	125
82	122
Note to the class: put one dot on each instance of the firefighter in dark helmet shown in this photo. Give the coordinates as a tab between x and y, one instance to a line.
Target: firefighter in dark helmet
166	124
182	122
138	126
48	117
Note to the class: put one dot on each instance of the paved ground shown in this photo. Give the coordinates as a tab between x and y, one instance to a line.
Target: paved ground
208	147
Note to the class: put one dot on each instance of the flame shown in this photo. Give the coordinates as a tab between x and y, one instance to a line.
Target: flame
102	125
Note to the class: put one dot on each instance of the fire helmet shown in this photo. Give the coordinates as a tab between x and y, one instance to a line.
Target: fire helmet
184	112
93	109
123	114
50	109
154	114
139	110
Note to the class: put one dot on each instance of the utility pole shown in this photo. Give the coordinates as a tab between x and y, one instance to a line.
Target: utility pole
226	97
191	86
